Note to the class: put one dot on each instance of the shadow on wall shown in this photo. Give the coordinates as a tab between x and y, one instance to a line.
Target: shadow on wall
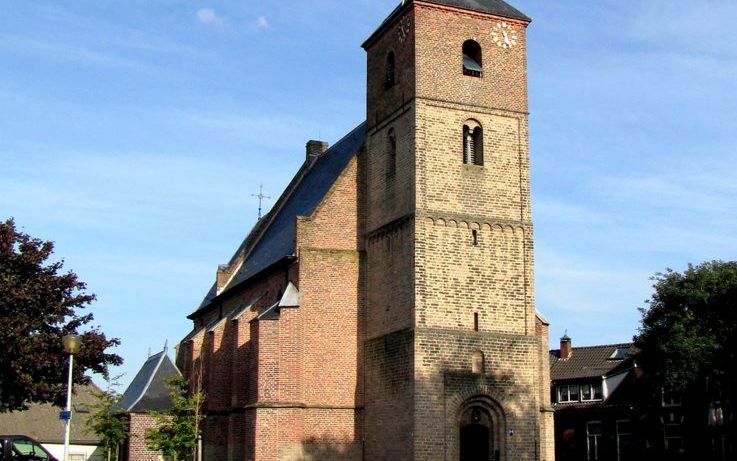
315	449
478	425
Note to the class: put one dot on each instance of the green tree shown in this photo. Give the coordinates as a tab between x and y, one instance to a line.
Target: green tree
38	305
689	328
106	422
178	428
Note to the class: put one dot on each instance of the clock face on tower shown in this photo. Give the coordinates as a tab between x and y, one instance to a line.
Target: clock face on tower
403	30
504	35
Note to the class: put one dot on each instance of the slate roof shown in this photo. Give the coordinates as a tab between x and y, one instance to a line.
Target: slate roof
41	421
588	362
148	391
276	241
495	7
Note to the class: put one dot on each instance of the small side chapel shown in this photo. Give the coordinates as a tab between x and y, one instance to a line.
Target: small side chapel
383	310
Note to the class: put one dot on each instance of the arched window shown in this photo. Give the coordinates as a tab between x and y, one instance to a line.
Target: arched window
389	78
477	363
473	143
472	59
391	158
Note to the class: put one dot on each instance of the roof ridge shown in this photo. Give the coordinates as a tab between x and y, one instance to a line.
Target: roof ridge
306	166
150	378
599	346
288	202
498	8
260	230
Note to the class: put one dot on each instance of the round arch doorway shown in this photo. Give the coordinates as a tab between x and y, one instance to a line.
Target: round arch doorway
477	435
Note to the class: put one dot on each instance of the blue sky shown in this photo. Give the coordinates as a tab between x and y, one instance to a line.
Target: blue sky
134	133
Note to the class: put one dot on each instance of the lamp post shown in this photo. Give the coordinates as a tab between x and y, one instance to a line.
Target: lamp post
71	346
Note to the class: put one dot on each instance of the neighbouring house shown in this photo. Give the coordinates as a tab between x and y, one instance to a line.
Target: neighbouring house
698	423
146	393
41	422
720	428
607	409
594	391
384	309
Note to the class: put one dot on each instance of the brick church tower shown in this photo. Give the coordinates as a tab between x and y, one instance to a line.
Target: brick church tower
383	309
456	357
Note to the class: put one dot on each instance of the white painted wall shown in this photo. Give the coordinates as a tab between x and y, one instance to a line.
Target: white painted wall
76	452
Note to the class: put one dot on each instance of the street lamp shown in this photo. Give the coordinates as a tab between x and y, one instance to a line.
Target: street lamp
71	346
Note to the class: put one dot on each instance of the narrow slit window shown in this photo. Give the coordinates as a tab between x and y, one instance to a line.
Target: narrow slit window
475	321
391	160
475	235
473	143
472	59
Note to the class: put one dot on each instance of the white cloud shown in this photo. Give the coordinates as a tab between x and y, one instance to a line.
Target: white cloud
208	16
262	23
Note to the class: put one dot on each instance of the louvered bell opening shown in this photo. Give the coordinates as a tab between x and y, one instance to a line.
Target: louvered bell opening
471	67
469	147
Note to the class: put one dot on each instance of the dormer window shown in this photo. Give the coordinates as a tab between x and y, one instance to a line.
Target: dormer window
473	143
472	59
389	78
619	354
572	393
590	392
568	393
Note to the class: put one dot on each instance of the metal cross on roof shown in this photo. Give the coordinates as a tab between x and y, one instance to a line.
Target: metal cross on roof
260	197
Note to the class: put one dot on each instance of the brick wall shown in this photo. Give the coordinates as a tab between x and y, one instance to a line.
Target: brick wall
381	102
330	327
214	437
458	243
390	196
138	424
330	370
444	382
389	420
334	224
457	279
440	33
547	437
497	190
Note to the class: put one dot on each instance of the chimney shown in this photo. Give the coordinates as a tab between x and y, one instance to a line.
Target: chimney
565	347
221	278
315	149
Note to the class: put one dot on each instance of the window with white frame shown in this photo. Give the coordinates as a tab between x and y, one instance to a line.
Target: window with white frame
591	392
563	394
593	440
625	444
569	393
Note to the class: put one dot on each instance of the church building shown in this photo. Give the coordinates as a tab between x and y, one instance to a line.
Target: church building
384	309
